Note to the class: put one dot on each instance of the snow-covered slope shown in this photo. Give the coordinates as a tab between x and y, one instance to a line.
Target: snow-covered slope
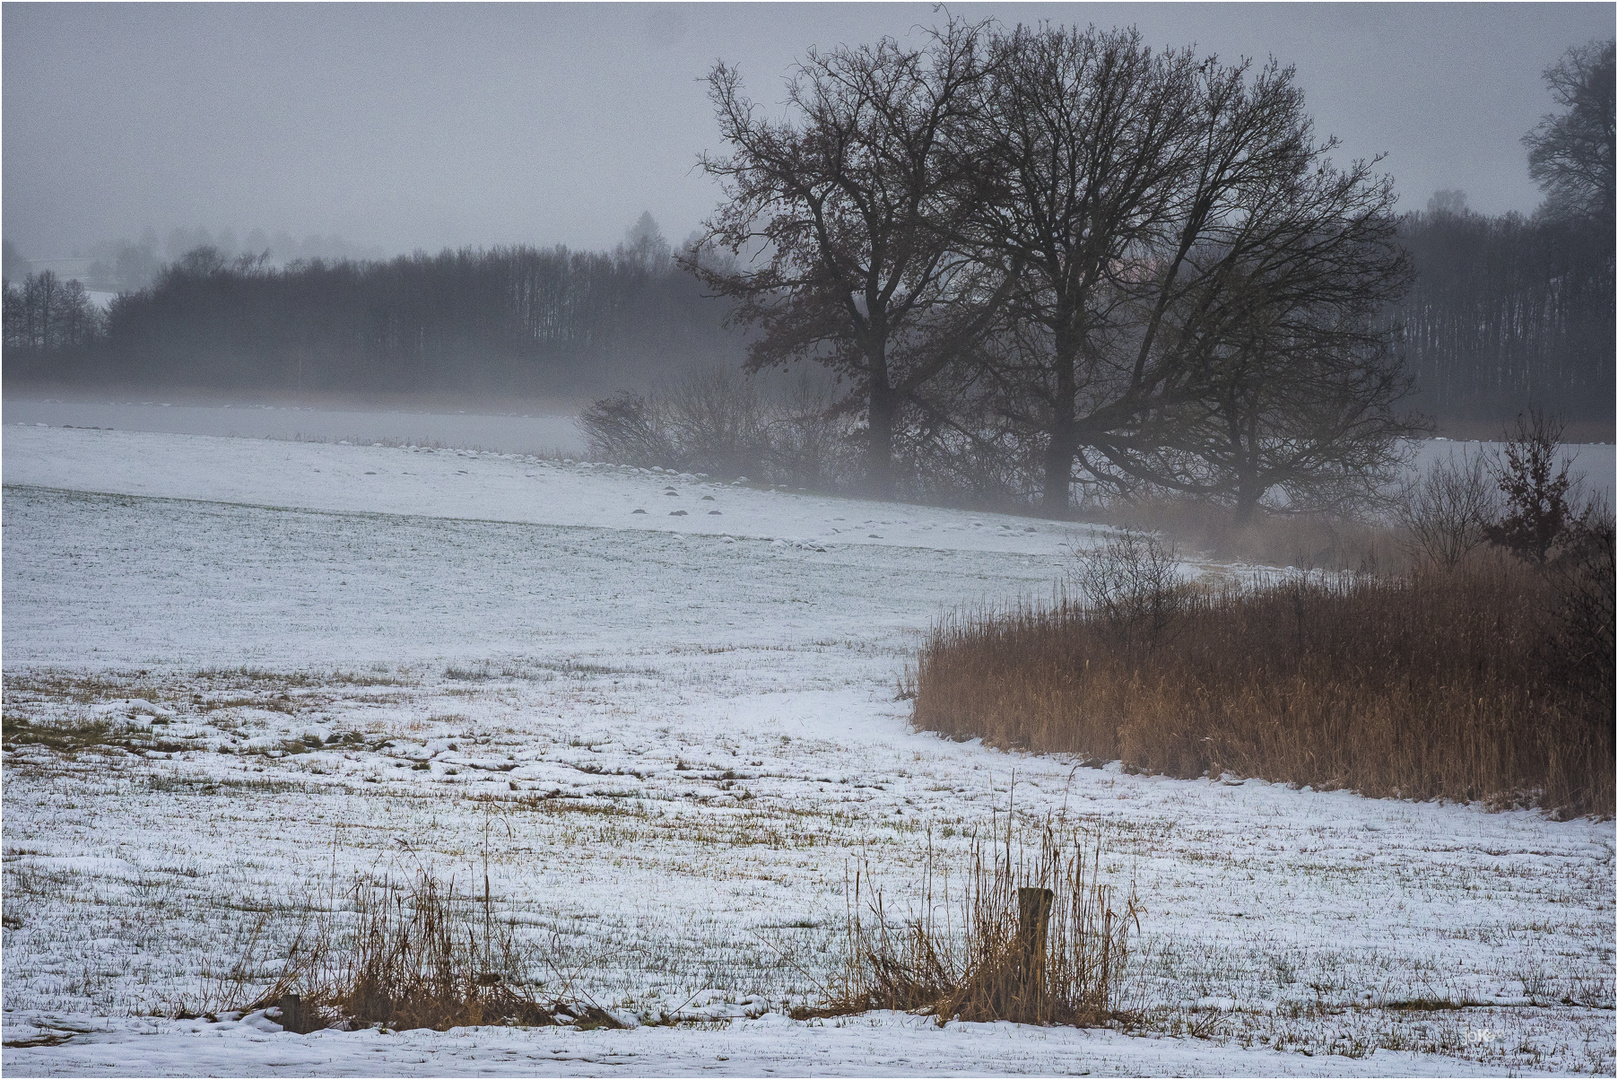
667	737
478	486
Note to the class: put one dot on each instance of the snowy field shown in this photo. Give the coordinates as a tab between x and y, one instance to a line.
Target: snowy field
1593	467
555	433
666	713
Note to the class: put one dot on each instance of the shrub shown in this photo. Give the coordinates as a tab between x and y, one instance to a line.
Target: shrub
1580	649
627	429
1131	583
1447	513
1535	487
716	421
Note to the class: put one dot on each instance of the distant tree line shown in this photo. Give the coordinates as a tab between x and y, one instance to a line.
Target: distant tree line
1506	311
1518	310
1512	310
519	319
46	316
125	265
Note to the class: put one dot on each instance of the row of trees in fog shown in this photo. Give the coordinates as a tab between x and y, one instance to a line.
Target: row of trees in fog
125	265
515	318
1507	310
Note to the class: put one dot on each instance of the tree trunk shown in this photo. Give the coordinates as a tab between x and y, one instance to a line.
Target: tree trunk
882	409
1248	492
1063	444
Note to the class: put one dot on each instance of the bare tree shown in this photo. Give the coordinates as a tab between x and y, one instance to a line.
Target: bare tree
1280	371
644	246
852	198
1198	285
13	267
1306	419
1446	511
1088	133
47	315
1571	154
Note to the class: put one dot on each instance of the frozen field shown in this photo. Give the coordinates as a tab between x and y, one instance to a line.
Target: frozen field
554	433
526	433
669	733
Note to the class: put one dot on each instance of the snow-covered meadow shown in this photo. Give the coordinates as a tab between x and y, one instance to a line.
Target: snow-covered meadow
667	714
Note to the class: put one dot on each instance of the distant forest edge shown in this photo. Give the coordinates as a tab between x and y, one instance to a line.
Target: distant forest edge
1502	311
1507	311
509	319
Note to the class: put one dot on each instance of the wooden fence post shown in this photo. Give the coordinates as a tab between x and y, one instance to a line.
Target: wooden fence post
292	1013
1033	923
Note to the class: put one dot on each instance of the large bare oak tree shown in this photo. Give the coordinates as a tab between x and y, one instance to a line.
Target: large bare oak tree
846	205
1198	287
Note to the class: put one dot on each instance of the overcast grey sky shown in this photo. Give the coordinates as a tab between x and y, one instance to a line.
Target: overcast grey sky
405	126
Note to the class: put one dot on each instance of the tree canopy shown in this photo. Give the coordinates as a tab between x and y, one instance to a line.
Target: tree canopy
1570	153
1126	261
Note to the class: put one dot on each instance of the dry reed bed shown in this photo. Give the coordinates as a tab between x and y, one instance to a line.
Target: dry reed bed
1432	685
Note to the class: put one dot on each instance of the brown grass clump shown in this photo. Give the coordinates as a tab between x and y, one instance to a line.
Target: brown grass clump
418	955
419	961
1434	684
1308	541
1035	939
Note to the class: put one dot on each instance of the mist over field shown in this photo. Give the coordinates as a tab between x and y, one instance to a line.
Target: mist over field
836	539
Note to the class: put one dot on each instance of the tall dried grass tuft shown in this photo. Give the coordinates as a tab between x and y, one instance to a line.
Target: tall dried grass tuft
418	954
1030	937
420	958
1436	684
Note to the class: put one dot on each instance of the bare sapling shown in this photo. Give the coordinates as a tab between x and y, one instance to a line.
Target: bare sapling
1131	582
1445	514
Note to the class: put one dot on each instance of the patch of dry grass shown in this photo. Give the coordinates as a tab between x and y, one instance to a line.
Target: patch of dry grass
1029	936
415	954
1430	685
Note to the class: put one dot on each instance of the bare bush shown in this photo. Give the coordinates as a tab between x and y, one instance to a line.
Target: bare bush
1132	583
719	423
1446	513
716	421
628	428
1032	937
